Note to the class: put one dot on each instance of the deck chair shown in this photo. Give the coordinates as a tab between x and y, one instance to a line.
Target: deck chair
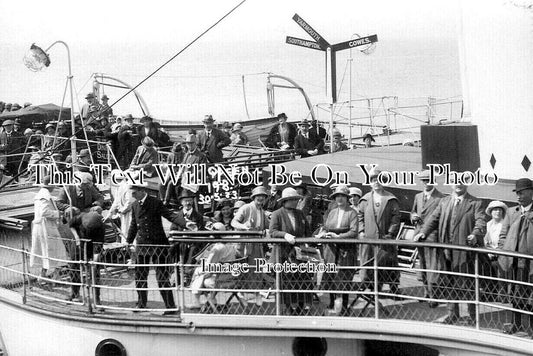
369	299
407	255
228	281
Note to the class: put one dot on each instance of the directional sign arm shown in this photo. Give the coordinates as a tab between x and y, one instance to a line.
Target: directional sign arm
315	35
303	43
355	43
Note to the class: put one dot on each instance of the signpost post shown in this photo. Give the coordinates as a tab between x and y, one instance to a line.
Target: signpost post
321	44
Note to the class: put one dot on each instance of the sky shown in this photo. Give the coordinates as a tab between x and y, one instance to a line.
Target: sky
129	33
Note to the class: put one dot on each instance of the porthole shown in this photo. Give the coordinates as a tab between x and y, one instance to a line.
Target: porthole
110	347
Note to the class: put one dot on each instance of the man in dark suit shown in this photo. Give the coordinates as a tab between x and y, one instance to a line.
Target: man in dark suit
425	203
84	196
459	220
211	141
147	229
520	239
308	143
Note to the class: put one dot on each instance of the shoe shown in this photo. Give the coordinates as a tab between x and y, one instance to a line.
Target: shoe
450	320
139	307
509	329
433	305
170	312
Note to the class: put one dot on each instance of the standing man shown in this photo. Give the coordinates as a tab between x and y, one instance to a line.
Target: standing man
459	220
520	239
147	229
91	109
424	205
11	142
105	111
308	143
211	141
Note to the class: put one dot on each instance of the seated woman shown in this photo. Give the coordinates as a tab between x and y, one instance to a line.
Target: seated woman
224	214
213	253
237	136
145	157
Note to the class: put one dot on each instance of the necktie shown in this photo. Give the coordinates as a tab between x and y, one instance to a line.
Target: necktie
208	135
425	198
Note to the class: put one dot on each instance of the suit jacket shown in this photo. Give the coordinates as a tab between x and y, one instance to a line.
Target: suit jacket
145	158
518	240
302	144
180	223
90	196
274	137
280	224
196	157
383	223
424	210
146	224
470	220
212	147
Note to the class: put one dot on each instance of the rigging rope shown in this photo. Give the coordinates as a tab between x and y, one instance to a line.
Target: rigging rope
177	54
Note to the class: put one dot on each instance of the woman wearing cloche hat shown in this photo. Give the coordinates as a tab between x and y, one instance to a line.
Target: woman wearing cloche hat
341	223
290	224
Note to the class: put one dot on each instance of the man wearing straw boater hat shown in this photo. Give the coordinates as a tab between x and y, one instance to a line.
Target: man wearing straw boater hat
308	143
520	239
424	204
211	141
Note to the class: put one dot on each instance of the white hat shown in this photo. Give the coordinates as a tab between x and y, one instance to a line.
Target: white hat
496	204
355	191
289	194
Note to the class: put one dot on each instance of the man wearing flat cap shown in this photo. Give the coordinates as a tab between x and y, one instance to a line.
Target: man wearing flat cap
308	143
11	142
520	239
424	204
212	140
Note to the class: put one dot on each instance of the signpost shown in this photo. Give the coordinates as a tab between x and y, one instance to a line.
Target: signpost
322	45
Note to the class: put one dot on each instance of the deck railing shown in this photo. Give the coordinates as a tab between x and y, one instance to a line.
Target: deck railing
486	296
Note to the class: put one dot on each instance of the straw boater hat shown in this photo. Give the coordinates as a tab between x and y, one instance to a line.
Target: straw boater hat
8	122
340	190
289	194
496	204
424	175
355	191
127	117
236	127
259	191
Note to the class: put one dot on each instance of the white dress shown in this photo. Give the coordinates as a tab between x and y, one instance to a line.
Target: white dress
45	238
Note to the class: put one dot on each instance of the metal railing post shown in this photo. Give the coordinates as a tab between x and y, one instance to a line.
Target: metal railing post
178	287
182	281
476	276
376	282
25	279
86	287
278	281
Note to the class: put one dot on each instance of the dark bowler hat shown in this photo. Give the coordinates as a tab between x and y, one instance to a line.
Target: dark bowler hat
186	194
89	96
523	184
208	118
146	118
304	122
282	115
105	97
369	136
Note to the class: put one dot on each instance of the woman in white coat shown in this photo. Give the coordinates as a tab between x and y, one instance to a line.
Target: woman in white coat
46	241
